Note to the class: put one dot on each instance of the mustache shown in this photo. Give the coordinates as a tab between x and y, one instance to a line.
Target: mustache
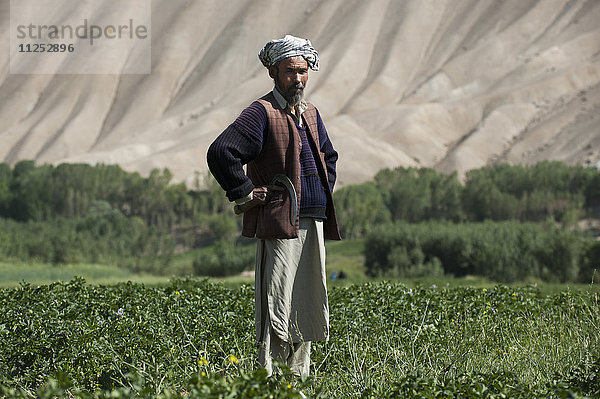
297	86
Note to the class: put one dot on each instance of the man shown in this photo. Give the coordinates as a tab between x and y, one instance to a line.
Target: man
286	197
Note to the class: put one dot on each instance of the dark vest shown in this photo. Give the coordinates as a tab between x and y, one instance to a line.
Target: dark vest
281	154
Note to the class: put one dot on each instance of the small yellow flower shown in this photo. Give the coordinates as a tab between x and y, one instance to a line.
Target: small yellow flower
485	290
177	292
289	386
203	374
233	359
514	294
202	361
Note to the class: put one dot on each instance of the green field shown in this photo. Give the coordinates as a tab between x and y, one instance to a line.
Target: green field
113	333
193	338
13	274
95	300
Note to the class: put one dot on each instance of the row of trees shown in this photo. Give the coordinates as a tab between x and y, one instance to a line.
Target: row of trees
104	236
501	251
501	192
531	193
102	214
40	193
82	213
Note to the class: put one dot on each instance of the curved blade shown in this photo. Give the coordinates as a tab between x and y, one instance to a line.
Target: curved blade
283	180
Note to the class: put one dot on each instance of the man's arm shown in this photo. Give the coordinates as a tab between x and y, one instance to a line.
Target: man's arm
331	155
237	145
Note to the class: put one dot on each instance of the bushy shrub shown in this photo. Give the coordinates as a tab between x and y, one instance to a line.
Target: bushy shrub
590	268
501	251
226	260
360	207
109	238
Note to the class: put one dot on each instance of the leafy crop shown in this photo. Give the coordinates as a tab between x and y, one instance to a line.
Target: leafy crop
195	339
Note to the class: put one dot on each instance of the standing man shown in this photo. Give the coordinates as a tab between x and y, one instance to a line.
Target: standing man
286	198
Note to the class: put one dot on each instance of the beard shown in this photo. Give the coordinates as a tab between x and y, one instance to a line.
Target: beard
294	94
297	95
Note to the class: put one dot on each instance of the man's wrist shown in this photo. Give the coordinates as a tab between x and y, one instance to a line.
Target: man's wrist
243	200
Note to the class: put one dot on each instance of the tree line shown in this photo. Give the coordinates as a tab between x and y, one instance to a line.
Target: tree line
46	192
506	251
82	213
507	223
532	193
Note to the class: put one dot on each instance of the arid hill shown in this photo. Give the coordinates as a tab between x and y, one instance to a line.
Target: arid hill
449	84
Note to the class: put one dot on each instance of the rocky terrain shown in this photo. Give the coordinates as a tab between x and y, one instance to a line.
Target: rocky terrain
448	84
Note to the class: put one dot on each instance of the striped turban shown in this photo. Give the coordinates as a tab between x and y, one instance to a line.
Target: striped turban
290	46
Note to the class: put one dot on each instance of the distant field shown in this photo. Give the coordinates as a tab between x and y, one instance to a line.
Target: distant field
12	274
346	256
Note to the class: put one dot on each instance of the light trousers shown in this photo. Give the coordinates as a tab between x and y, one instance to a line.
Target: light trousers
295	355
291	297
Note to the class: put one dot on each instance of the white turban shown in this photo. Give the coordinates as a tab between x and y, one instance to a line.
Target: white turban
290	46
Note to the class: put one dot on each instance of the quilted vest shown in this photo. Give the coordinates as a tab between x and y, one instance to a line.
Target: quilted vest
281	154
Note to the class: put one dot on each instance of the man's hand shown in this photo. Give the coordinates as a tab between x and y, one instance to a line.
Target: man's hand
260	196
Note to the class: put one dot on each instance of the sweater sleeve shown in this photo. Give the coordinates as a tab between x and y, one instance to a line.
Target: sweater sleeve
237	145
331	155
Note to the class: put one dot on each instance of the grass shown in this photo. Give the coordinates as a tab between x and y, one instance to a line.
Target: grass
12	274
345	255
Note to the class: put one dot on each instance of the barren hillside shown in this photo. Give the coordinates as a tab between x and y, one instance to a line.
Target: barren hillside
449	84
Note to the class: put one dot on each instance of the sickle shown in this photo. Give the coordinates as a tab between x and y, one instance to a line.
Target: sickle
285	181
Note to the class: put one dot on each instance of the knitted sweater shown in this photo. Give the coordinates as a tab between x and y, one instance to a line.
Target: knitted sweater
313	200
252	122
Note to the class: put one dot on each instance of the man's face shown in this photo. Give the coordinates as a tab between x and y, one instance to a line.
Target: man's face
290	76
